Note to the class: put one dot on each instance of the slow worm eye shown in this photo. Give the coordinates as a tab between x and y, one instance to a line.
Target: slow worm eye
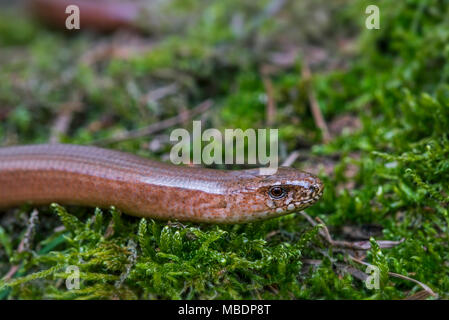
277	192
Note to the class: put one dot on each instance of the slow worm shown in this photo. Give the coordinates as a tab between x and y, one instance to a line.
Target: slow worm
90	176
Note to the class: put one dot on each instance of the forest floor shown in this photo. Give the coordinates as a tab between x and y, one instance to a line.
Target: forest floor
382	149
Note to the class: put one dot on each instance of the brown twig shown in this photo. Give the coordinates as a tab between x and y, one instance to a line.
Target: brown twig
356	273
292	157
313	102
132	258
158	126
271	108
358	245
25	243
364	245
62	122
109	230
420	295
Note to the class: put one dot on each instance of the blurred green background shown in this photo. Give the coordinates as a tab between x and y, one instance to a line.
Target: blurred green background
384	97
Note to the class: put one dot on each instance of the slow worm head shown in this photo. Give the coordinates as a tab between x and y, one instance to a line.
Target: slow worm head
90	176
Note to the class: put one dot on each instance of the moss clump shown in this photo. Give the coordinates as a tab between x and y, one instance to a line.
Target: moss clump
171	260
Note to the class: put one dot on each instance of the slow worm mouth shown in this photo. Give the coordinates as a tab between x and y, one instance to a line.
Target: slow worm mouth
319	195
308	202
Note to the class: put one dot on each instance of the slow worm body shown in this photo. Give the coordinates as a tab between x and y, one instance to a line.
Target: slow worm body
90	176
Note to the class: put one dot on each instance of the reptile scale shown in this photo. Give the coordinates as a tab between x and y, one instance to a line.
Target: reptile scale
91	176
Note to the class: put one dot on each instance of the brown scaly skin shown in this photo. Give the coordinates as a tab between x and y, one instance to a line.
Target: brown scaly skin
90	176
